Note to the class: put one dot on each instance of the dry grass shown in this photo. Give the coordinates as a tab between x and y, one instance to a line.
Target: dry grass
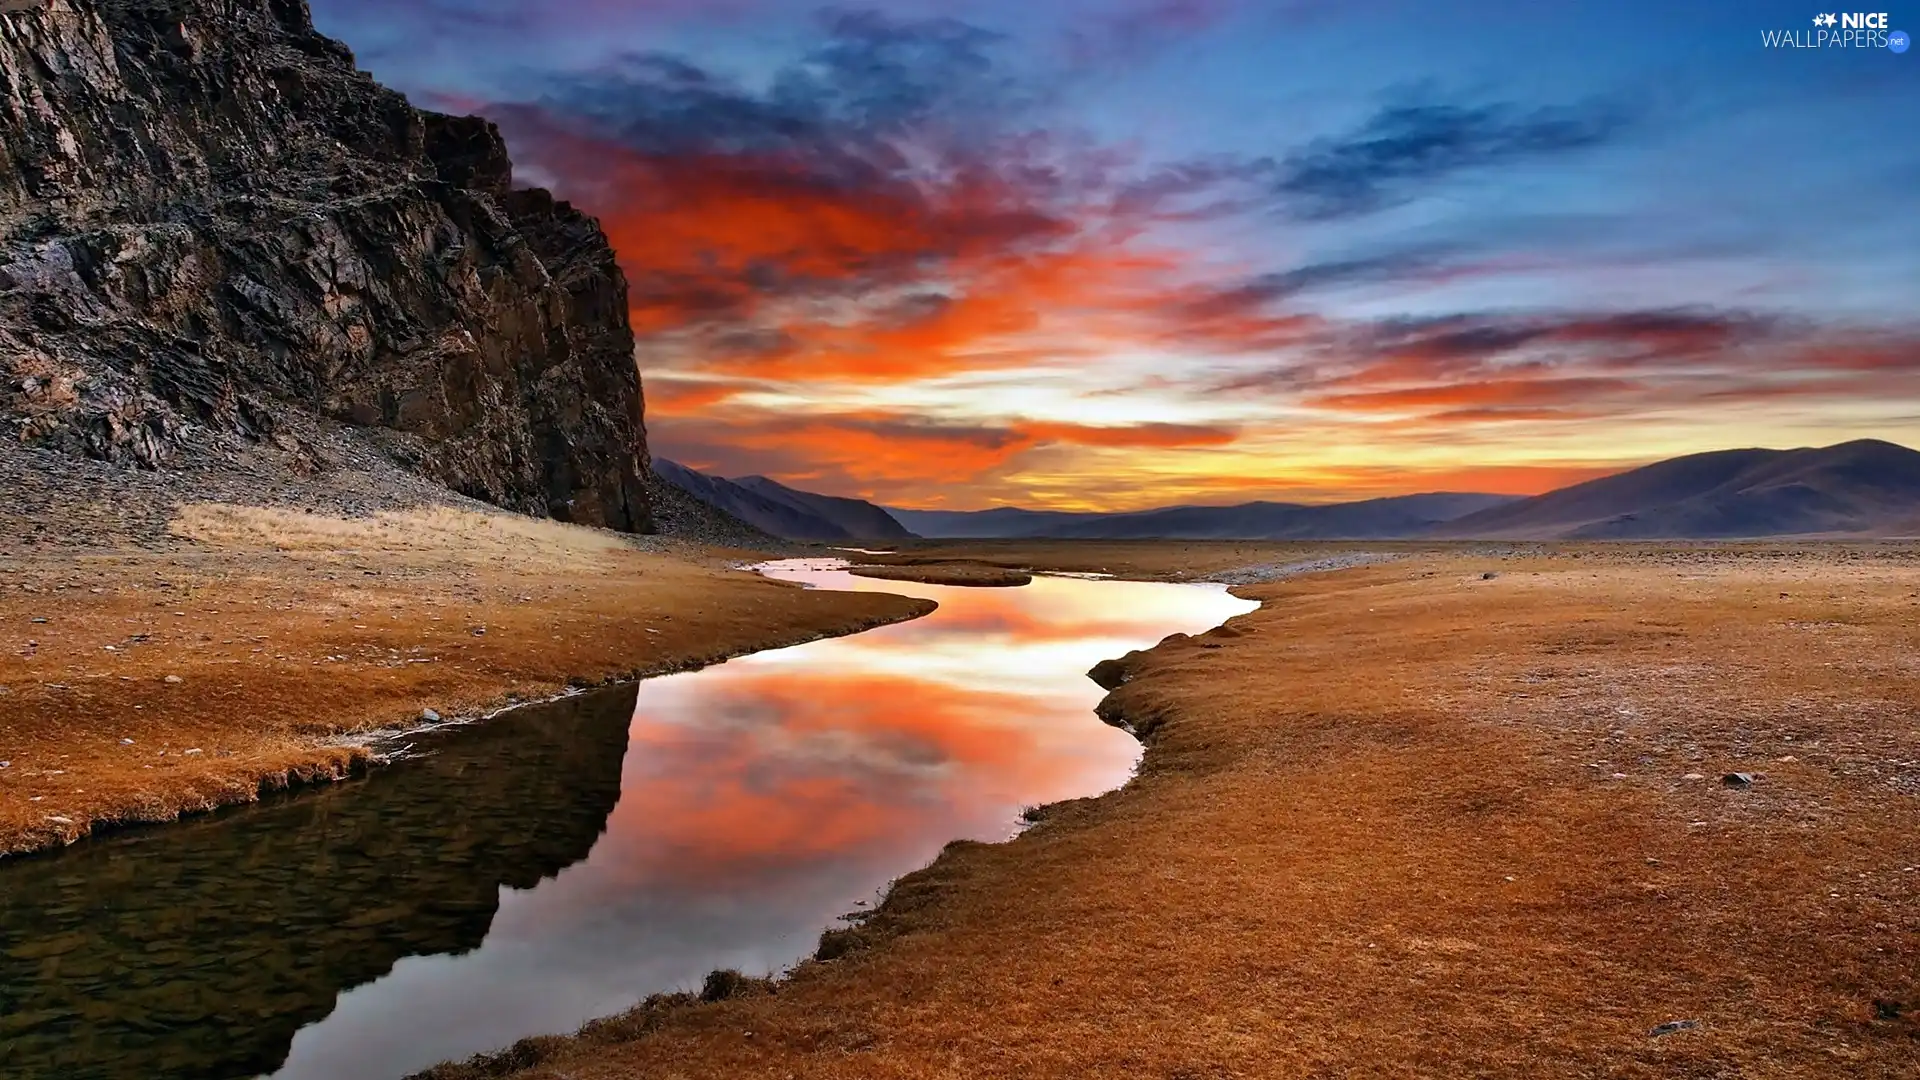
1410	820
283	631
469	534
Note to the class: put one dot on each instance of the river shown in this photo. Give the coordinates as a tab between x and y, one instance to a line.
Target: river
563	861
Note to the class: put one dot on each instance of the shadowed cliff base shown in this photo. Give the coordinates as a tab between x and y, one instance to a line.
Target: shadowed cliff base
1508	851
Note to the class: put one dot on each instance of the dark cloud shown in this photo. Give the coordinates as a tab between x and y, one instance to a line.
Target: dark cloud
870	80
1455	371
883	75
891	159
1128	31
1110	33
1200	189
1667	333
401	33
1270	311
1407	144
1511	348
891	455
1392	266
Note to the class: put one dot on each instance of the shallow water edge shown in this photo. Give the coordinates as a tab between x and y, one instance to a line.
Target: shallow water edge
369	747
901	908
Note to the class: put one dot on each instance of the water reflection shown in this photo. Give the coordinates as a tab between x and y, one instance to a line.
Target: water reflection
757	800
197	950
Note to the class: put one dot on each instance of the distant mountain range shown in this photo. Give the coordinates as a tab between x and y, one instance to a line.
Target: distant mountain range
1001	521
1373	519
1856	488
1863	488
783	511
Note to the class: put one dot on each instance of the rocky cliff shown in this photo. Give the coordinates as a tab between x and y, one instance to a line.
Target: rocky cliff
219	237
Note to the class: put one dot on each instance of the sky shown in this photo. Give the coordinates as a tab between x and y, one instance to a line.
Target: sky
1112	254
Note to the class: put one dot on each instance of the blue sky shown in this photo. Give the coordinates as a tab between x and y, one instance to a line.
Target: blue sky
1112	254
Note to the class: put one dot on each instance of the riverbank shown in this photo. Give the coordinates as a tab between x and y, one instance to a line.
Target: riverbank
976	575
1629	811
257	647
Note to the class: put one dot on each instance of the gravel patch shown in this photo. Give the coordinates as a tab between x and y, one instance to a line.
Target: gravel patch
1253	575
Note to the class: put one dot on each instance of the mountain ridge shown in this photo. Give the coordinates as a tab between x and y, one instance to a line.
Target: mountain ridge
1864	487
859	519
1391	517
1861	487
781	511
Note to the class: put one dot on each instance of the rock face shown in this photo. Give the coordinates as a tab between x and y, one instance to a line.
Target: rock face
216	232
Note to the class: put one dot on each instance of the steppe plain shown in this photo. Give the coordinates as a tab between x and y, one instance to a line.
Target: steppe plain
1509	810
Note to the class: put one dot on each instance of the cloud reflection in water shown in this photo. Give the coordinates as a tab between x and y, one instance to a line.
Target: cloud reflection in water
764	797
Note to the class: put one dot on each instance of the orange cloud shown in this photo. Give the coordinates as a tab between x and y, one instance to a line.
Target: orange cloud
881	455
872	453
790	767
774	264
667	396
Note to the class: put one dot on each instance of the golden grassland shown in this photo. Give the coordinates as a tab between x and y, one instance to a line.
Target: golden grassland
164	683
1450	815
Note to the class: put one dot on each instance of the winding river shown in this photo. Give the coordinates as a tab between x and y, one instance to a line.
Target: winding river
561	862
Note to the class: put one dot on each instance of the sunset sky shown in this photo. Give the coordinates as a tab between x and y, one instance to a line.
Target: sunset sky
1106	255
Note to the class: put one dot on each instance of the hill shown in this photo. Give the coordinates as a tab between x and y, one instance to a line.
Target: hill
1371	519
1003	522
782	511
1867	487
859	519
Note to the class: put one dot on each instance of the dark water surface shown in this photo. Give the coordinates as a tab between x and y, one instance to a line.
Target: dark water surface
561	862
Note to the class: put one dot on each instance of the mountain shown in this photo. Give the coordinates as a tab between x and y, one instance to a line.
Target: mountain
1372	519
679	512
861	520
221	240
782	511
774	518
1866	487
